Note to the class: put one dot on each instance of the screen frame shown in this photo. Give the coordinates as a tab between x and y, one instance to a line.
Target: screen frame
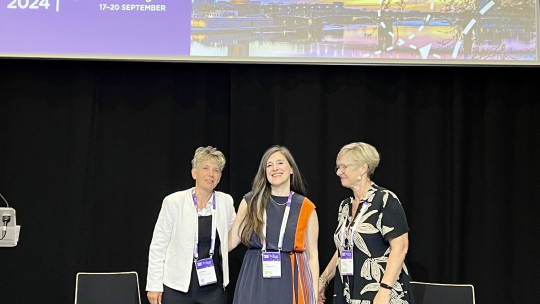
291	60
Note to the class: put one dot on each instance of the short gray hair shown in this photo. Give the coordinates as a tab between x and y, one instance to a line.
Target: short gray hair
208	153
362	153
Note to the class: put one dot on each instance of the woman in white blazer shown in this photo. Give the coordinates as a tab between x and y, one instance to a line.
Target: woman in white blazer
188	259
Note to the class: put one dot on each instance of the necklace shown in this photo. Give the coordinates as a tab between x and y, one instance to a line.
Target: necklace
277	202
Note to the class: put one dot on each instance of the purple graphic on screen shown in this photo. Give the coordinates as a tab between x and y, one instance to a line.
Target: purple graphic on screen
346	254
204	264
96	27
271	256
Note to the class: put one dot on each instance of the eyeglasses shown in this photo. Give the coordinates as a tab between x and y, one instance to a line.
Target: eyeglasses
342	167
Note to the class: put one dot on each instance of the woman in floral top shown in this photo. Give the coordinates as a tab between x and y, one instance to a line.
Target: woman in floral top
371	237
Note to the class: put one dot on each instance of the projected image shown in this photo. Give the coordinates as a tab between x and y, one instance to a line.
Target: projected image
382	29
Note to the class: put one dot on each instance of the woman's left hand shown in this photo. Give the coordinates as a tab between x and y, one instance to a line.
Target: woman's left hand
382	297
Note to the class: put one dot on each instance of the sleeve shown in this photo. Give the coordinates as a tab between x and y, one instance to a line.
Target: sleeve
248	196
302	225
392	220
158	247
232	212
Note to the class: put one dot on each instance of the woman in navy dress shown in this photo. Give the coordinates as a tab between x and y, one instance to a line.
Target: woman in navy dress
276	209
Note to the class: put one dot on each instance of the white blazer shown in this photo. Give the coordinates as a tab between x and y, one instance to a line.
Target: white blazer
171	252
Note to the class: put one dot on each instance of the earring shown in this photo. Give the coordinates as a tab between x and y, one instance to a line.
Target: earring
360	177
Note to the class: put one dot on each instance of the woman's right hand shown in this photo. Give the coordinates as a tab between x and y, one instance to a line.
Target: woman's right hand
322	293
154	297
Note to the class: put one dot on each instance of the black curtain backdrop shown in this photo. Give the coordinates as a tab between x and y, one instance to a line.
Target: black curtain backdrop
88	150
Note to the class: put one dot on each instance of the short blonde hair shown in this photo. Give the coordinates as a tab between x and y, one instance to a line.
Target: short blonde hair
362	153
208	153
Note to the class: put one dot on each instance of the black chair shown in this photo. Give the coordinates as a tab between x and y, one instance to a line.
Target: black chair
107	288
433	293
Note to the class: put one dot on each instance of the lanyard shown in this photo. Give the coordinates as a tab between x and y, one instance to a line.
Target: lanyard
283	225
213	237
356	222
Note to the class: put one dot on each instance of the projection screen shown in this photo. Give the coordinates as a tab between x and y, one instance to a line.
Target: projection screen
485	32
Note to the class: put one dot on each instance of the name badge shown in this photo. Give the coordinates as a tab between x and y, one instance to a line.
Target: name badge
347	265
206	272
271	265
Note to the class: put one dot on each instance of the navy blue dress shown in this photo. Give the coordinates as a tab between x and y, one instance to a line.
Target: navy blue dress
295	284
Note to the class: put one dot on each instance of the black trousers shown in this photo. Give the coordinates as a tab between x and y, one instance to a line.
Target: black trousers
209	294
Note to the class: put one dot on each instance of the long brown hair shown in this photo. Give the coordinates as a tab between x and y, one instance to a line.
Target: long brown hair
261	191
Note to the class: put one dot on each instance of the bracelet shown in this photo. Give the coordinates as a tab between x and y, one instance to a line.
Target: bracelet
385	286
323	280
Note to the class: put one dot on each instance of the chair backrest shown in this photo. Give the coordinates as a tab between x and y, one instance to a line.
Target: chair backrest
107	288
433	293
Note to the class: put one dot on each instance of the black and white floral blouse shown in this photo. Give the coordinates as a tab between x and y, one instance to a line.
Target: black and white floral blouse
383	220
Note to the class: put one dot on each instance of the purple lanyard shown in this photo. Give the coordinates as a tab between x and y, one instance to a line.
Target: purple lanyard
213	237
283	225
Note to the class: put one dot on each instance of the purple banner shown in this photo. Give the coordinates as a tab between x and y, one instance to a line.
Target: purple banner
271	256
201	264
96	27
346	254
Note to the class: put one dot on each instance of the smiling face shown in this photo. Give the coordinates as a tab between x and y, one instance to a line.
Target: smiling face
278	169
348	172
207	175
